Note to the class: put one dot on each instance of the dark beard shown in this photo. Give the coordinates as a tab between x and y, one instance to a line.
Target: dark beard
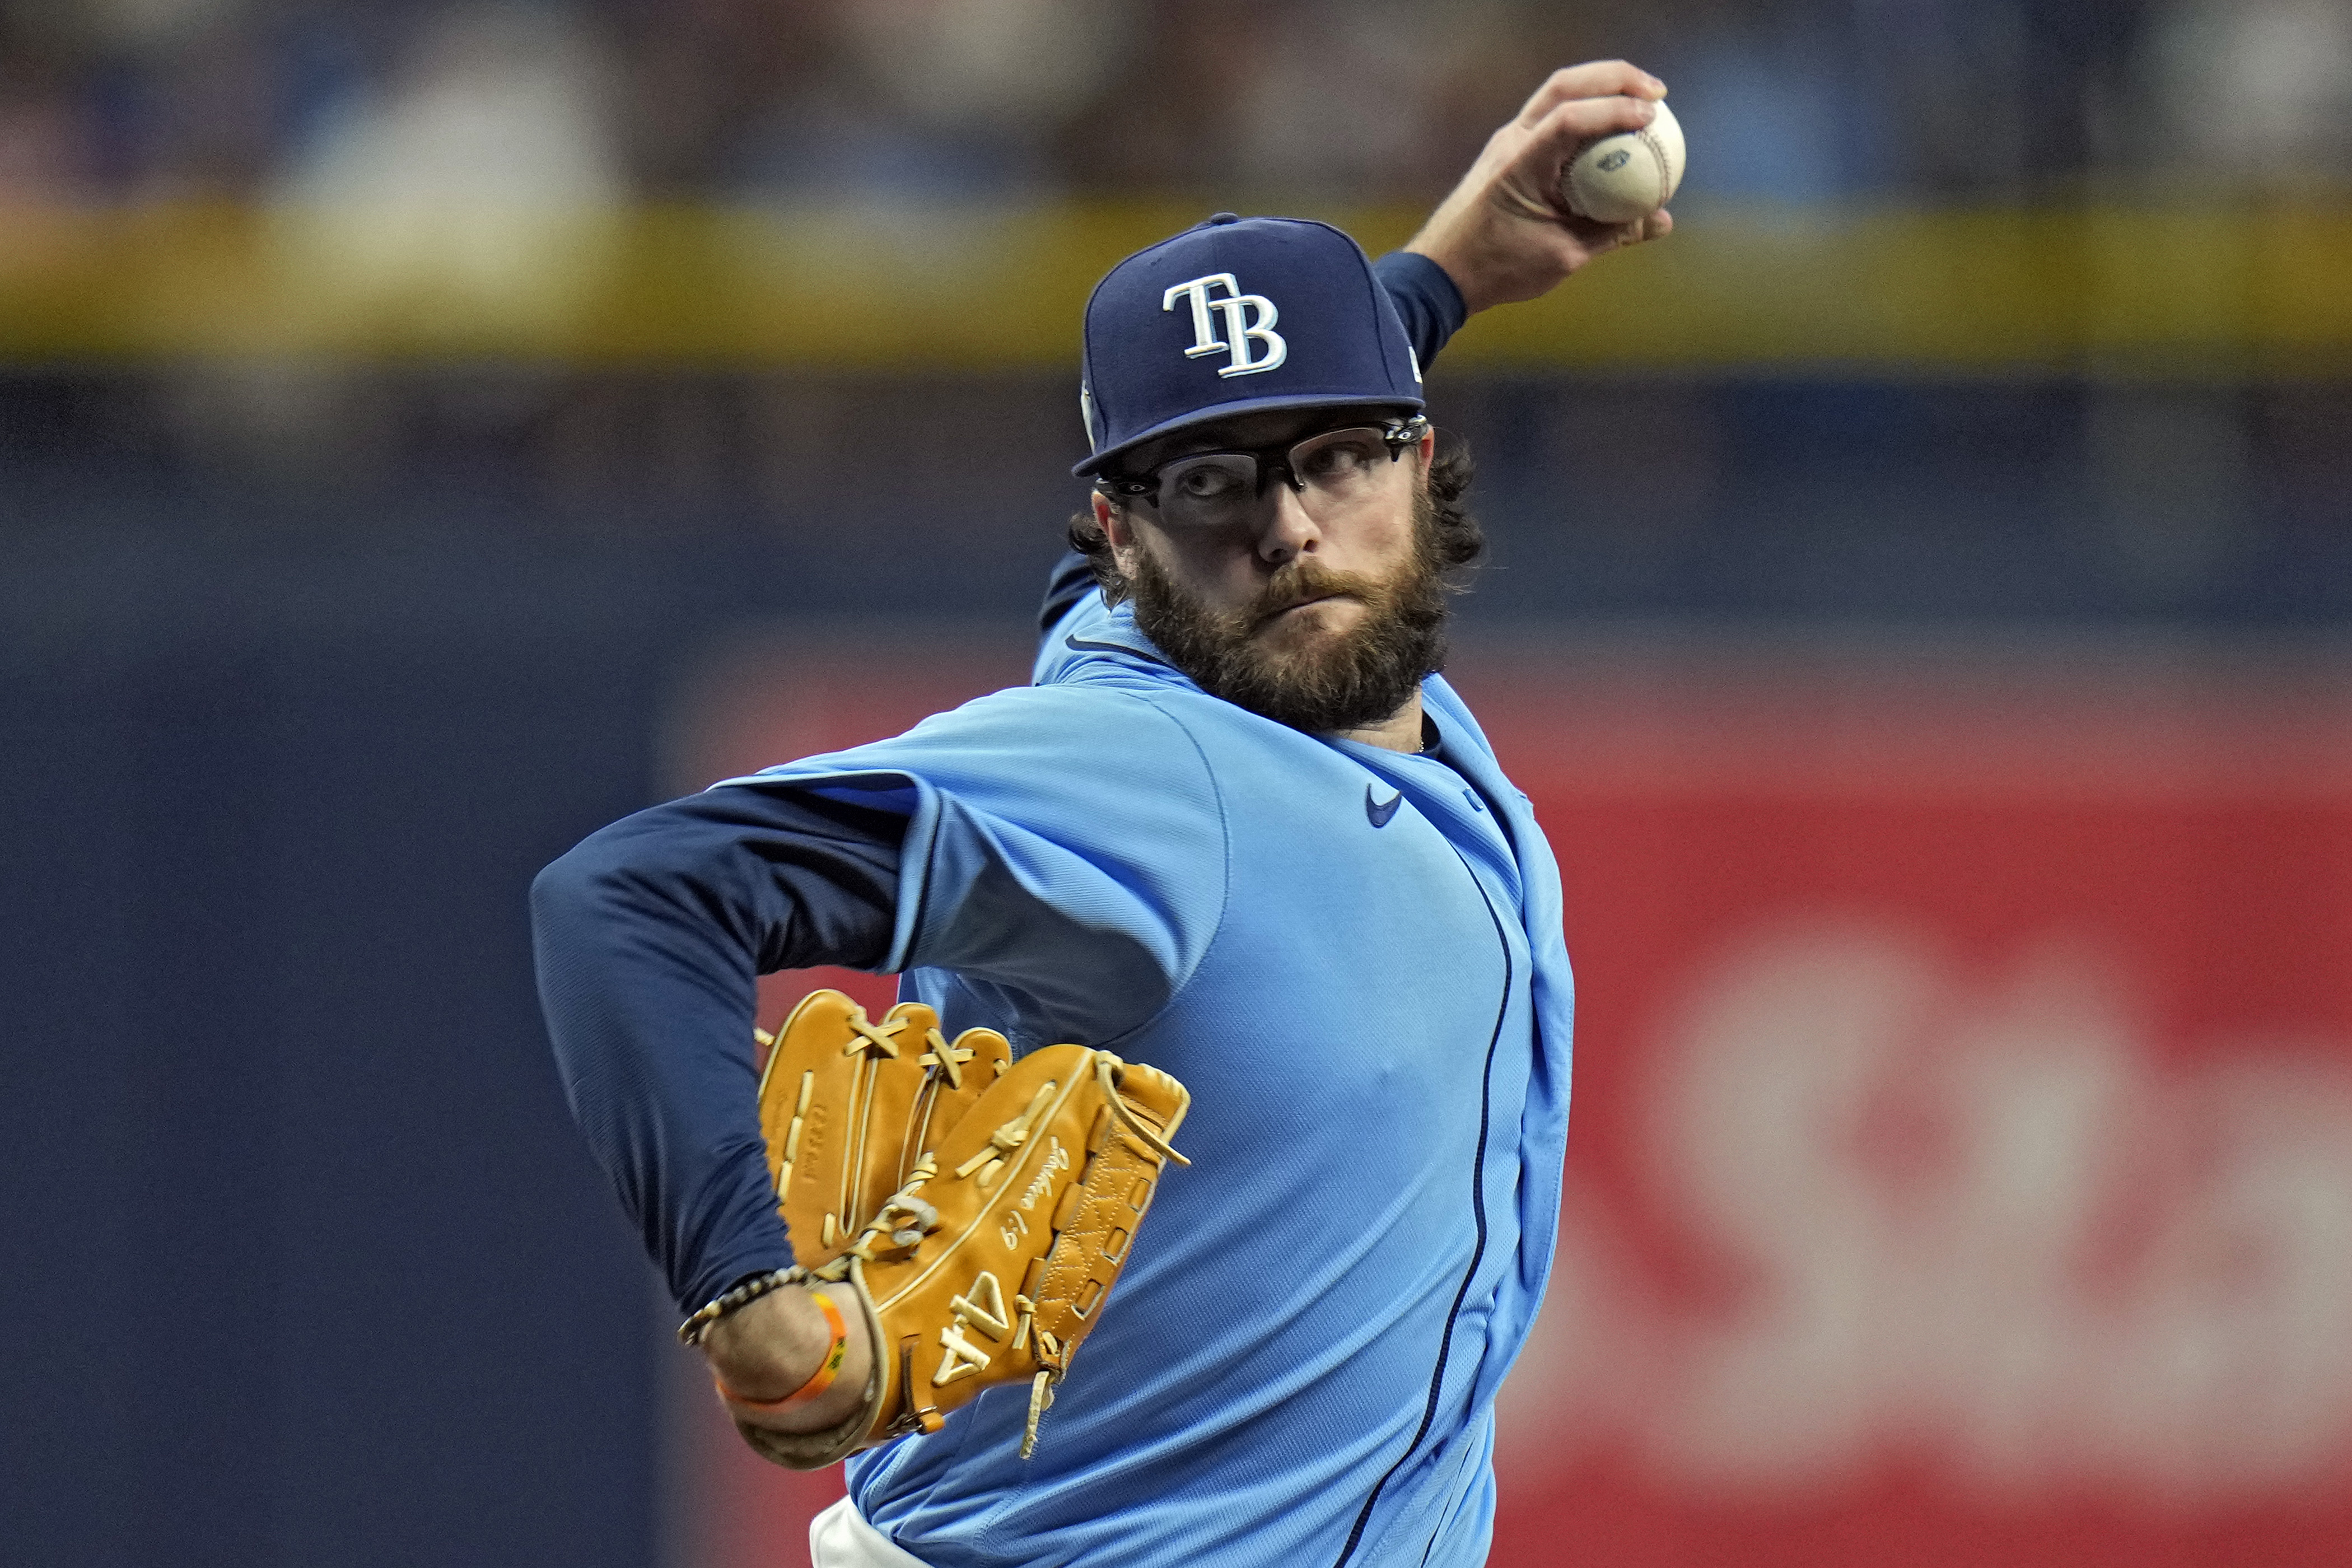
1358	679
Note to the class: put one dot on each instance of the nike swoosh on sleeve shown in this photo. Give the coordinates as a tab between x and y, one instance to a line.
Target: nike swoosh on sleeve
1379	811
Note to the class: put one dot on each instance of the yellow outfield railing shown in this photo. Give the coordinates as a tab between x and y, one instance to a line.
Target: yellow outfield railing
2105	290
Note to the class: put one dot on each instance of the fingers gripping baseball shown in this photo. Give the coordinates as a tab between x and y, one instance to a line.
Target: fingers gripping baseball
1505	233
1531	184
1594	79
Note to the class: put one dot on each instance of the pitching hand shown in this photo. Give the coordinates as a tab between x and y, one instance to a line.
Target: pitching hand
767	1348
1503	235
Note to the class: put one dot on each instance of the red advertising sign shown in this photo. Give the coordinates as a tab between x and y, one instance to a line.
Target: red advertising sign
1960	1170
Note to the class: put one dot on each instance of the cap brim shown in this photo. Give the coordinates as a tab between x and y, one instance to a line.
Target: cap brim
1219	412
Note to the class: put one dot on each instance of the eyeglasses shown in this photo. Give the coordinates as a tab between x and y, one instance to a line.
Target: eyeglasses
1330	472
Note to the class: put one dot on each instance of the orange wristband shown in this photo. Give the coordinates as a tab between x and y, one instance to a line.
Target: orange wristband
819	1381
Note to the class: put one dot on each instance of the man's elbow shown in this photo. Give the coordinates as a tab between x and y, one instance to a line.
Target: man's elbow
588	877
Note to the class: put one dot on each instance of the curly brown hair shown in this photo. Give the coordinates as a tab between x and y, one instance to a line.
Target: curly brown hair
1460	540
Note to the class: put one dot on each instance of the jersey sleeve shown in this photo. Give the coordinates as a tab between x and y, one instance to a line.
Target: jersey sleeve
1065	854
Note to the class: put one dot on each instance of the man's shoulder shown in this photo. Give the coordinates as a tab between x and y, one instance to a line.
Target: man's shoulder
1077	739
1064	711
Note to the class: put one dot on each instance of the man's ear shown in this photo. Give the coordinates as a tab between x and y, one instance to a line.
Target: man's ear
1424	452
1113	522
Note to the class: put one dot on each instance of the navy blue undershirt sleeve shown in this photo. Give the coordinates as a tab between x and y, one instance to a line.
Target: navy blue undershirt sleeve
1432	311
649	935
1425	298
1072	579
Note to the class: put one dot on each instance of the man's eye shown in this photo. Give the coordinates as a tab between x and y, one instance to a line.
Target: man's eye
1207	481
1337	460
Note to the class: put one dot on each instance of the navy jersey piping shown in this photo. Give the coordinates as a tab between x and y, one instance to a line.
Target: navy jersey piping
1478	1213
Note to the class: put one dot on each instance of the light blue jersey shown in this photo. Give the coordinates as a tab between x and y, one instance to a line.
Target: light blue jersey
1352	958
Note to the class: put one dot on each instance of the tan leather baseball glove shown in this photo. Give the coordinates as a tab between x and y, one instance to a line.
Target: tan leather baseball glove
991	1260
847	1104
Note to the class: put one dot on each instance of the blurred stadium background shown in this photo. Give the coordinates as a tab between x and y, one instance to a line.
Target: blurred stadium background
1918	607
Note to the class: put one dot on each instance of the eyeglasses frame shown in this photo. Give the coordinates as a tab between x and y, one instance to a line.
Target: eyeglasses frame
1399	434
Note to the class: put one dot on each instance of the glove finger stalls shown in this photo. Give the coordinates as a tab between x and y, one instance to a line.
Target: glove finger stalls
956	1075
836	1102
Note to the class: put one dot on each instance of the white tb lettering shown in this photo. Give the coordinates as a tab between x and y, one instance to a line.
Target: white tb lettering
1249	325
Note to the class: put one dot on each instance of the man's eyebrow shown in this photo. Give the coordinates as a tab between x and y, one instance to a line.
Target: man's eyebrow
1226	438
1191	446
1230	440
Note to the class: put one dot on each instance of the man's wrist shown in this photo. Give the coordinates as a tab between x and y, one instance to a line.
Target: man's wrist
828	1368
765	1354
766	1350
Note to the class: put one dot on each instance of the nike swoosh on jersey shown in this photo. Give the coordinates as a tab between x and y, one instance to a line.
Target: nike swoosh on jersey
1379	811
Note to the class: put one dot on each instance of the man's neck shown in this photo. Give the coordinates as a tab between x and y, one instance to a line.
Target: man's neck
1400	732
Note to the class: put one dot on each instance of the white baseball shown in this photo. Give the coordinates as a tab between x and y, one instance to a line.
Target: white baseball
1628	175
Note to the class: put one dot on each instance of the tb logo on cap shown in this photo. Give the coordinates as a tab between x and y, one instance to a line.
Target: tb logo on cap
1249	320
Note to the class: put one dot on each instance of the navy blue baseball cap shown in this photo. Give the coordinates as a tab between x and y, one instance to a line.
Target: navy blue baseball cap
1233	316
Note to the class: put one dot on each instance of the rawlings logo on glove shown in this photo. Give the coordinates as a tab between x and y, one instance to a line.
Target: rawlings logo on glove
982	1208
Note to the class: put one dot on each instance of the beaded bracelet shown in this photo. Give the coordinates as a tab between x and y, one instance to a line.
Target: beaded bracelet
691	1332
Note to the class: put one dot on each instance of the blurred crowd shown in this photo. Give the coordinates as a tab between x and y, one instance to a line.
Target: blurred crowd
587	102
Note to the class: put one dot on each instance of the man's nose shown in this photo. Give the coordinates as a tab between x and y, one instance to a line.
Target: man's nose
1289	531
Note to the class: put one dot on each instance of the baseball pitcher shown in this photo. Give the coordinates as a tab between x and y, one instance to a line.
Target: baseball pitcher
1193	1202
